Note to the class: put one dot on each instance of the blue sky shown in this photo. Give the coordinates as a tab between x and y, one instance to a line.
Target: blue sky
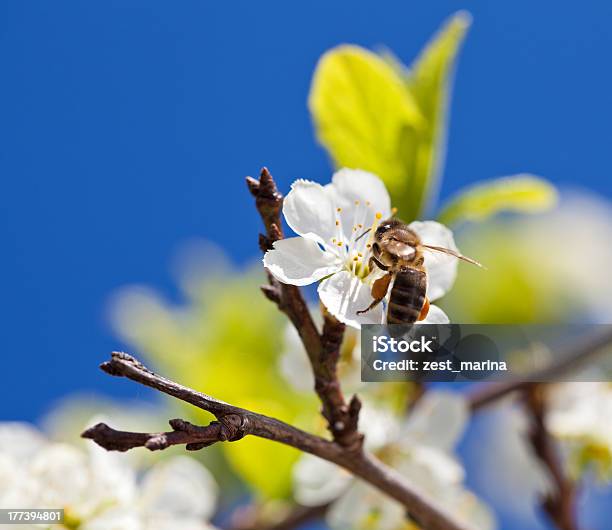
128	127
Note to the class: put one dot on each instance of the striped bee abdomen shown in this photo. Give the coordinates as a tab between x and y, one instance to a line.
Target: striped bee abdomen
407	296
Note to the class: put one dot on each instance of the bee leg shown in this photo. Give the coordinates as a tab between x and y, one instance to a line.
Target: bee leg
379	291
424	310
373	261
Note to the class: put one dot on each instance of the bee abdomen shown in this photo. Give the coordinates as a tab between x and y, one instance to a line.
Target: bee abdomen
407	297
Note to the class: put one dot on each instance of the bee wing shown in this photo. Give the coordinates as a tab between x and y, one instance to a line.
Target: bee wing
450	252
400	248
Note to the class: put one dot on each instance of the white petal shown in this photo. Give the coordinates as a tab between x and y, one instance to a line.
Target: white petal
432	469
363	506
435	316
343	294
441	268
437	420
115	518
356	185
379	424
318	481
180	488
299	261
294	364
363	200
310	211
20	440
62	475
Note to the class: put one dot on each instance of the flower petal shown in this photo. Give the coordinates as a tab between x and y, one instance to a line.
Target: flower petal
441	268
179	487
356	185
344	294
435	316
437	420
310	212
360	196
299	261
318	481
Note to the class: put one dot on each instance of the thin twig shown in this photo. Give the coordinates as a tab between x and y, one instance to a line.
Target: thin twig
575	356
192	436
235	422
322	349
560	503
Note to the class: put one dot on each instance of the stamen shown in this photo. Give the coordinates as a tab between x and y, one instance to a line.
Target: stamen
337	223
378	216
356	203
338	210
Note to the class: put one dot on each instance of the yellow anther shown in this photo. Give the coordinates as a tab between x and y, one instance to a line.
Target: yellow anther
355	258
378	215
360	254
338	209
356	203
337	223
393	210
360	225
339	243
369	245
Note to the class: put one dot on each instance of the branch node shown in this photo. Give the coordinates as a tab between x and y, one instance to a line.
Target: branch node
233	427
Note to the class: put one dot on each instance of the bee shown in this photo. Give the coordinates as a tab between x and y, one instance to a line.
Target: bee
398	251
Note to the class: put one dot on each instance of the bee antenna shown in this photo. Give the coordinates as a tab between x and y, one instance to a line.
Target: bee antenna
362	234
453	253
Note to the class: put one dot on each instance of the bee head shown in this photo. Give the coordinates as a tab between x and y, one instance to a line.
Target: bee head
386	225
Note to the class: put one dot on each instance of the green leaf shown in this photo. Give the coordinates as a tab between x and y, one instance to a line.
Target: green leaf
518	193
361	109
371	113
429	80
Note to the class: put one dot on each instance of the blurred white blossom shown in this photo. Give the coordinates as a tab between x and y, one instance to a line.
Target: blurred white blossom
579	414
99	490
420	447
505	464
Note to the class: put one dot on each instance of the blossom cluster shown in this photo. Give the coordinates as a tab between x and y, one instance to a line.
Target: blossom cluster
99	490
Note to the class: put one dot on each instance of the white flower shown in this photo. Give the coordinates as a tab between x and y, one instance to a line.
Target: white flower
318	481
508	470
420	448
579	415
100	490
329	220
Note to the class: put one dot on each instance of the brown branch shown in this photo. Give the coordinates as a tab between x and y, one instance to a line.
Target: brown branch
560	503
192	436
235	422
322	349
575	356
